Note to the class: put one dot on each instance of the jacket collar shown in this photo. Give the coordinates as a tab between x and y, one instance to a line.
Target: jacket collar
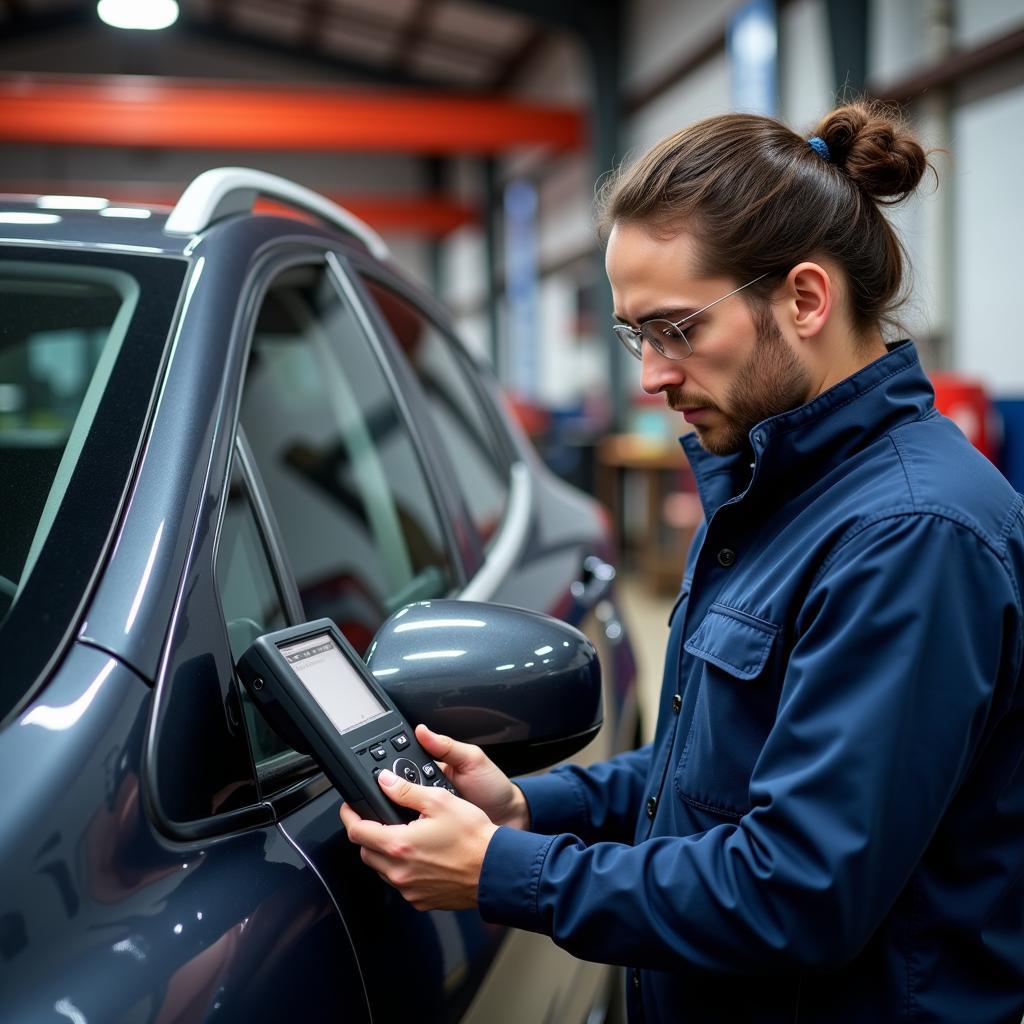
788	452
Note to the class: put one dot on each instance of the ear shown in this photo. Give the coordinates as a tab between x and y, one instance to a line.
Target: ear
807	298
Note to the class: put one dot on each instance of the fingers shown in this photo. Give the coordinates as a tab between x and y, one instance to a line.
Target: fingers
434	862
348	817
457	755
360	830
378	862
433	743
382	857
407	794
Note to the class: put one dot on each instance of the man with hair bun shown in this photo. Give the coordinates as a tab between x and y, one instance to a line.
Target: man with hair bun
829	824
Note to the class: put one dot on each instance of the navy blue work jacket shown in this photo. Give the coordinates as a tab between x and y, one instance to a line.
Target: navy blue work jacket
829	825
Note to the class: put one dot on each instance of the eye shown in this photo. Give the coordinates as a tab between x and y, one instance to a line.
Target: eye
661	330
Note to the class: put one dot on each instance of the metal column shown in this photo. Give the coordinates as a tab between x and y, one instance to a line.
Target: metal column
490	218
601	32
848	27
434	174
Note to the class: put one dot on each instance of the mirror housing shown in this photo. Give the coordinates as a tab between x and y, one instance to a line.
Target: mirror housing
524	686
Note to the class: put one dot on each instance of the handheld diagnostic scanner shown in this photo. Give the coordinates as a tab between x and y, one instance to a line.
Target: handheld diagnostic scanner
318	695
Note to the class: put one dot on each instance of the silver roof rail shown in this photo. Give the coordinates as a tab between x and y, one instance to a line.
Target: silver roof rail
223	191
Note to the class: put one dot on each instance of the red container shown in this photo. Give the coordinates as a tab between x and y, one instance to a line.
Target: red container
968	405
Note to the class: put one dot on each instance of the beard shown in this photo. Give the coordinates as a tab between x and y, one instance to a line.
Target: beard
771	381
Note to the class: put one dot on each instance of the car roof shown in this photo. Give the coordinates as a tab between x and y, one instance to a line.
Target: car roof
215	196
44	220
141	232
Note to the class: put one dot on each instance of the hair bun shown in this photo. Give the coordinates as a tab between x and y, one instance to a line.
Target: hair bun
871	143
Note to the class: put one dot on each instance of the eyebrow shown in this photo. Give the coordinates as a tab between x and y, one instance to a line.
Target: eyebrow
672	313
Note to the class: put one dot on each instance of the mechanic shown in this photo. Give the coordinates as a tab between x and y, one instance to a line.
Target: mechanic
829	824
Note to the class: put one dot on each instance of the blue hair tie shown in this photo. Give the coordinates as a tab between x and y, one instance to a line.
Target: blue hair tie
818	144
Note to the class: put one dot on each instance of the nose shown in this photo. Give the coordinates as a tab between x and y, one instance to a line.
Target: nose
657	372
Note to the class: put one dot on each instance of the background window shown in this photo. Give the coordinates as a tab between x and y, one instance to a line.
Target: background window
456	408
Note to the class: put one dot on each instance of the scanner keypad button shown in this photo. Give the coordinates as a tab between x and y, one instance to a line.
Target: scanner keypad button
400	742
429	771
379	752
405	769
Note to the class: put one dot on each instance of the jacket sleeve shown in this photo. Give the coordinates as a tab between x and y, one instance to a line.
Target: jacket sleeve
899	648
599	802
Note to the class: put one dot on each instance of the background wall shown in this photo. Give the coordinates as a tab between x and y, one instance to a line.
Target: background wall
962	237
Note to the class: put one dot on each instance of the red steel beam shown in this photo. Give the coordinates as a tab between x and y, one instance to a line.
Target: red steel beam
130	111
430	216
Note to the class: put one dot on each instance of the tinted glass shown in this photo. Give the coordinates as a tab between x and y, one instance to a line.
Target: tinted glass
357	519
250	599
454	404
60	333
82	339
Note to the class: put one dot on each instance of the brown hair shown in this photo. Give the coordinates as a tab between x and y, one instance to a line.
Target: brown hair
760	199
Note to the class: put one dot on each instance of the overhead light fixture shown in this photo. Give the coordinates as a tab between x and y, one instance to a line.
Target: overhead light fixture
139	14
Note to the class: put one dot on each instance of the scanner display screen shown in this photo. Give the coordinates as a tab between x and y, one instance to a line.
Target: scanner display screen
332	682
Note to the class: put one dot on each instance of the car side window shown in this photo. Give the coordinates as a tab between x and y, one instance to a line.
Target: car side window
455	407
250	599
357	520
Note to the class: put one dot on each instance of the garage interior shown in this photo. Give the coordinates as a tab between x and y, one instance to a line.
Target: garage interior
471	133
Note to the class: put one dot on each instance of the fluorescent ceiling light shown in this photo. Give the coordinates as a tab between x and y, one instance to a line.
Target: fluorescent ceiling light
71	203
144	14
126	211
29	218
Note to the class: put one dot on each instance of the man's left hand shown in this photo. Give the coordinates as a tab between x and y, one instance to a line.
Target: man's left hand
434	861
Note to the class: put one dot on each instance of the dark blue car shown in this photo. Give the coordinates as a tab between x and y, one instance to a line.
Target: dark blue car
214	424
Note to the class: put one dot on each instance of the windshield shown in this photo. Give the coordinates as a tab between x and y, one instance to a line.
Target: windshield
81	343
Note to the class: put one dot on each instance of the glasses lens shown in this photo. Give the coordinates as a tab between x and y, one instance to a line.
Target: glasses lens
629	337
668	339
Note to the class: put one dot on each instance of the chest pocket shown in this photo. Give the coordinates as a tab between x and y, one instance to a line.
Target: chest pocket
731	667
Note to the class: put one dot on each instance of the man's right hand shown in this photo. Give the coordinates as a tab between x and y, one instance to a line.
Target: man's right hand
477	778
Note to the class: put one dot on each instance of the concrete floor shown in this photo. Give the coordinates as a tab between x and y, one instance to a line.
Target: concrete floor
646	617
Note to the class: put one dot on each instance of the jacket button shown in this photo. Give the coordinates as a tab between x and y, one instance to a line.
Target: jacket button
636	981
726	557
677	702
652	806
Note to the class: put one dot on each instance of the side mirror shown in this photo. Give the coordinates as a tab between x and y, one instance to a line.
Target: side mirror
524	686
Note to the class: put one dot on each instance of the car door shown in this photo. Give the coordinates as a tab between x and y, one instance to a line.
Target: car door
346	523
